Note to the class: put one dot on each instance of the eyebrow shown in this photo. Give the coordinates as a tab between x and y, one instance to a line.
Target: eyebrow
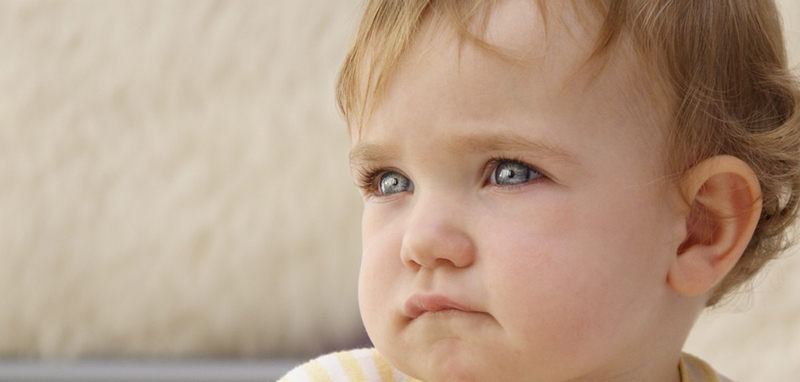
479	143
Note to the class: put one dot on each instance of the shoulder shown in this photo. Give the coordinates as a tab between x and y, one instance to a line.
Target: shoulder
694	369
362	365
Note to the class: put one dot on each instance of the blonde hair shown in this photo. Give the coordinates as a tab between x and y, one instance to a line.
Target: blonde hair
722	64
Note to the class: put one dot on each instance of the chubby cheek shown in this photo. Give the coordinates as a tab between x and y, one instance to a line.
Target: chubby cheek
566	279
381	269
558	306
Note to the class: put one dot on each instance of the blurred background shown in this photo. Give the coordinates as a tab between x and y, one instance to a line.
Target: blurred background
174	186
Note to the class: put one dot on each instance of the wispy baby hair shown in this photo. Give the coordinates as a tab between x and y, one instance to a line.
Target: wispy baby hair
721	66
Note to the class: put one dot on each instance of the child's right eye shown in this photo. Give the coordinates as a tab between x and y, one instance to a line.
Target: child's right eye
392	182
385	183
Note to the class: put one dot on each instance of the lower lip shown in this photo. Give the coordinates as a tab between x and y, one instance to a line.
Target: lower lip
449	319
431	304
447	313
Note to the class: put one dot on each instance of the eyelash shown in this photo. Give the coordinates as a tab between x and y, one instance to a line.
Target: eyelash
367	177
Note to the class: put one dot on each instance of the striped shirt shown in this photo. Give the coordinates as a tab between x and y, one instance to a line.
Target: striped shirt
367	365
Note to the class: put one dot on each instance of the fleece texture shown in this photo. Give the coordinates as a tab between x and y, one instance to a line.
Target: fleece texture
174	178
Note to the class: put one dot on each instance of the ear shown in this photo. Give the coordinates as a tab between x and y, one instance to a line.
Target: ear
724	199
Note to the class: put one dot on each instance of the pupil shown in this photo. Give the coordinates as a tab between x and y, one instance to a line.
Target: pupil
511	173
390	182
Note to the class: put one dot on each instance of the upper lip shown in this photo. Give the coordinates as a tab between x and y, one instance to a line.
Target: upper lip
422	303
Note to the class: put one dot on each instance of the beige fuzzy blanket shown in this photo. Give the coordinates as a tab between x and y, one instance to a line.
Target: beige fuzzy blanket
174	181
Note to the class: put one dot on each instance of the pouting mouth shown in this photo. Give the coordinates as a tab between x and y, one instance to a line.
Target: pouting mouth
420	304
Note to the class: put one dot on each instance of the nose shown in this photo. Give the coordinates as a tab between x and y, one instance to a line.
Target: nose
436	236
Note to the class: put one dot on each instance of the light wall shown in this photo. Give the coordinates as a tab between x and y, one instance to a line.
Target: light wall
174	178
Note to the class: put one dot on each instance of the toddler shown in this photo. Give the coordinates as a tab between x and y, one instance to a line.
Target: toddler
555	190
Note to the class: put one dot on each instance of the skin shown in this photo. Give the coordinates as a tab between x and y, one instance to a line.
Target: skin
561	278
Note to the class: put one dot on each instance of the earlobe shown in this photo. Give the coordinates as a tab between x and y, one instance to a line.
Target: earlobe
724	200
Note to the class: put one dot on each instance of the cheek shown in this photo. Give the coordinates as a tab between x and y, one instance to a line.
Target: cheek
571	273
380	264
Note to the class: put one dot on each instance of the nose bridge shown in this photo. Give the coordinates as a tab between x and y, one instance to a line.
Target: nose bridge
436	234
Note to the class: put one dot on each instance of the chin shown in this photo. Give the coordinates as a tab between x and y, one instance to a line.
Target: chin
449	362
450	373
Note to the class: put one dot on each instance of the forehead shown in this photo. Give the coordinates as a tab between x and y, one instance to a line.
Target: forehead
517	30
450	91
552	46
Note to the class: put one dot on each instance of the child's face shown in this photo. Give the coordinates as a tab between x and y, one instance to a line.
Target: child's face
523	229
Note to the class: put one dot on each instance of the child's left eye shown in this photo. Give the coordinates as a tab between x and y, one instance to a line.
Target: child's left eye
509	172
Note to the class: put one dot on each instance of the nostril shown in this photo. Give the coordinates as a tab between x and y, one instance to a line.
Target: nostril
408	259
417	263
445	263
412	264
436	241
455	251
